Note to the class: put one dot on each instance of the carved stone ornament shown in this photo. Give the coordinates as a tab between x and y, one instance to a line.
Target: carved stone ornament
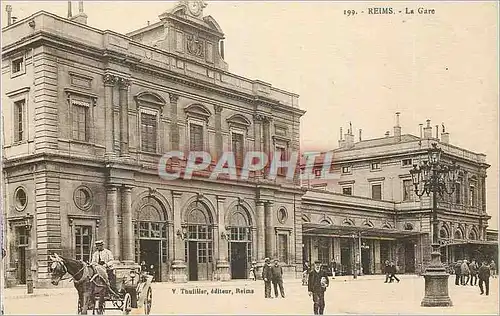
123	83
194	46
110	79
173	97
218	109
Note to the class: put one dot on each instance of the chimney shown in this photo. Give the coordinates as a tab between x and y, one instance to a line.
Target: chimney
341	140
437	132
428	130
70	14
387	134
397	129
445	136
221	47
360	134
349	137
8	8
81	17
420	126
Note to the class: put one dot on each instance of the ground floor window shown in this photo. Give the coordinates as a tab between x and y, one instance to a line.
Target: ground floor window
83	242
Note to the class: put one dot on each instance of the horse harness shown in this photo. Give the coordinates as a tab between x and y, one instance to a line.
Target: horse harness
84	277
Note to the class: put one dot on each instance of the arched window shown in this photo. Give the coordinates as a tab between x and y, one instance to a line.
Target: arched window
443	233
473	235
458	234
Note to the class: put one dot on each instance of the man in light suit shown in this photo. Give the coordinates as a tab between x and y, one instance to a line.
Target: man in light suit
104	257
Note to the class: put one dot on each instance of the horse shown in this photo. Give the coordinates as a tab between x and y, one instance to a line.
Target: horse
89	280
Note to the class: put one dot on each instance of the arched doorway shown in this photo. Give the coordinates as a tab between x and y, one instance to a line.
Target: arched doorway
240	243
151	231
199	243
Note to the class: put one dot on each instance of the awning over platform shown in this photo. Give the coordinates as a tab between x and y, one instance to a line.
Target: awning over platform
474	242
354	231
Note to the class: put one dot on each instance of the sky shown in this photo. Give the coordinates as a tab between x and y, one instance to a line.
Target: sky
360	69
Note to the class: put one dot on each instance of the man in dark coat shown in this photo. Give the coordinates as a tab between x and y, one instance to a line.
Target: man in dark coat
392	272
473	272
317	284
267	277
387	270
484	277
458	272
277	278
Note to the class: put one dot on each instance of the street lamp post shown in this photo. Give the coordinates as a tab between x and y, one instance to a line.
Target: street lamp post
435	177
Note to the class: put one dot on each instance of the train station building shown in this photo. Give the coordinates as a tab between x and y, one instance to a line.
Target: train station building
89	113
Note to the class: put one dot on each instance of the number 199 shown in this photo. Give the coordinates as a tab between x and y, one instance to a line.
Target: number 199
349	12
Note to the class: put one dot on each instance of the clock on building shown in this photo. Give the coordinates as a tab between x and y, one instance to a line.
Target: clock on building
195	7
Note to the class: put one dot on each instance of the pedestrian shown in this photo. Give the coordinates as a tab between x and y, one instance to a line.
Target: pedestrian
493	269
333	267
253	273
277	278
305	272
267	276
317	284
392	271
386	271
465	272
484	278
473	272
458	269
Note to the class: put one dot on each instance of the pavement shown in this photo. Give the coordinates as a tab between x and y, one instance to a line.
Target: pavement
364	295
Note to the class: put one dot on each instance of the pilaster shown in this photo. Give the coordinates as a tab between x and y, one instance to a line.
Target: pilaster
112	211
268	229
109	83
222	243
218	130
127	225
378	264
123	85
261	226
174	128
178	265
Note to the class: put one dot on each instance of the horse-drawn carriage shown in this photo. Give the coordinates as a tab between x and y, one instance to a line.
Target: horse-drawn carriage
131	291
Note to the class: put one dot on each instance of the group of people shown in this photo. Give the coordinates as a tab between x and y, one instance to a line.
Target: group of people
272	274
469	273
390	272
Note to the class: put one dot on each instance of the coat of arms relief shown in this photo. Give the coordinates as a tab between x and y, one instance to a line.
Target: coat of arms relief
195	46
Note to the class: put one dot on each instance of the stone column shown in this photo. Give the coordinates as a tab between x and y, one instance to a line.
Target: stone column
336	250
127	225
378	264
222	261
258	119
109	83
124	130
174	128
112	211
268	208
261	228
218	131
178	264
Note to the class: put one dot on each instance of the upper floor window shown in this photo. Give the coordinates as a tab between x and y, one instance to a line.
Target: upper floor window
346	169
375	166
196	137
149	132
472	196
283	157
377	191
19	120
408	191
18	66
406	162
458	193
237	147
347	190
81	120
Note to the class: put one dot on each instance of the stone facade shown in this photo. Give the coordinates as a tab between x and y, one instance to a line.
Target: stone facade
88	115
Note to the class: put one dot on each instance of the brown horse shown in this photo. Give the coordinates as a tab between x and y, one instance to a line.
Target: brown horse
89	280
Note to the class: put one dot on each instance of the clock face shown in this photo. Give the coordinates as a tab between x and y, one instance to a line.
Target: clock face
194	7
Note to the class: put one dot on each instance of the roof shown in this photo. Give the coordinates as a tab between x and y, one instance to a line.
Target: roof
380	142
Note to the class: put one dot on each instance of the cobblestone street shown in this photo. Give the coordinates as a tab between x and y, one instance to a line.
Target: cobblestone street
365	295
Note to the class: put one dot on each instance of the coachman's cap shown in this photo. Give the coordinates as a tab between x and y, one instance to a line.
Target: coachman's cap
99	242
267	260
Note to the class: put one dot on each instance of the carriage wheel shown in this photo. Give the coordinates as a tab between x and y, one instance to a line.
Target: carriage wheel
148	301
127	304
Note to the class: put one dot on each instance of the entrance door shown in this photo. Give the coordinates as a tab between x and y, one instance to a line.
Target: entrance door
239	260
21	265
345	260
365	261
193	260
150	254
409	257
